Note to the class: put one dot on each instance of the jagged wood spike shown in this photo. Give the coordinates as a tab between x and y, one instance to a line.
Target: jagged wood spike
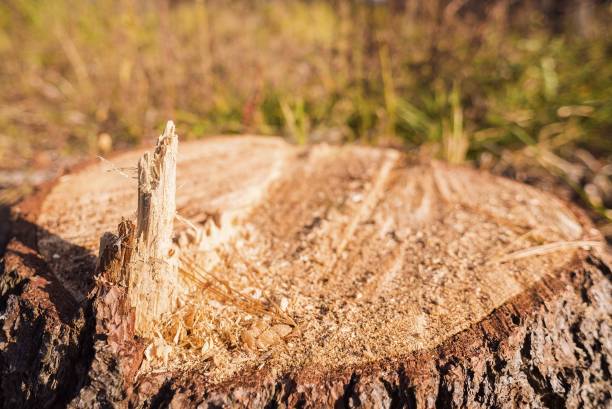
153	285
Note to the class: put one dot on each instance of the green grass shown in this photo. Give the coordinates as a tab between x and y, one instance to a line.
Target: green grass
450	83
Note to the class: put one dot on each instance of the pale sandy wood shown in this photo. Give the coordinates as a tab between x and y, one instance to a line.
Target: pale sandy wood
153	278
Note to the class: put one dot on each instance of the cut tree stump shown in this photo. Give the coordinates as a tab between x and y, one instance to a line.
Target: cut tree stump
284	276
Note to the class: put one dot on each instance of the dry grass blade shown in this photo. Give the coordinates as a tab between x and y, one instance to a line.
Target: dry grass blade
186	221
120	171
547	249
205	281
250	266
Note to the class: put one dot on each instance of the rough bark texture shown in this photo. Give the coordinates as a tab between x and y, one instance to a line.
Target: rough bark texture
117	351
44	334
548	346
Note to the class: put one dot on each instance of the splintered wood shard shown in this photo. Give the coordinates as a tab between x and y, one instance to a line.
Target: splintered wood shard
156	195
153	286
116	254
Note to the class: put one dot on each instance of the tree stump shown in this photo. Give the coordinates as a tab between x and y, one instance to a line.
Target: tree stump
317	276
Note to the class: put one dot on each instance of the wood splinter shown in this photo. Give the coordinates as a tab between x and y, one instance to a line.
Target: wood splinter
152	271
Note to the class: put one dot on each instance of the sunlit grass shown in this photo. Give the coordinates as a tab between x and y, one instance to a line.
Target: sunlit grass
432	77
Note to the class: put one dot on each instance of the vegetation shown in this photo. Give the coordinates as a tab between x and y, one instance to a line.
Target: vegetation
458	81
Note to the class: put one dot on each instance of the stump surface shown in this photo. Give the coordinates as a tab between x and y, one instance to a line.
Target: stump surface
385	267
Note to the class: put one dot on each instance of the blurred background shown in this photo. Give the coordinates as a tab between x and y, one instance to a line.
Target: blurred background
520	88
